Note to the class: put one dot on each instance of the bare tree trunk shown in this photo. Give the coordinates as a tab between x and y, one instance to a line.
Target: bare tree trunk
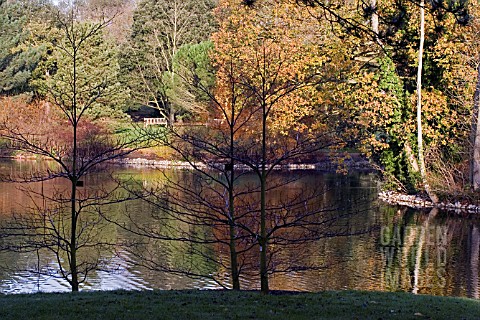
231	206
475	137
421	160
374	21
74	179
73	239
233	251
263	231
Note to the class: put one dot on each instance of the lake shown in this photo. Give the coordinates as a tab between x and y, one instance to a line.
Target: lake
393	249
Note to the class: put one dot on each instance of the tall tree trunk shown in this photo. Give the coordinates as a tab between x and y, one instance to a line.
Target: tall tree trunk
475	138
231	206
263	230
233	254
421	160
74	180
263	240
374	21
73	238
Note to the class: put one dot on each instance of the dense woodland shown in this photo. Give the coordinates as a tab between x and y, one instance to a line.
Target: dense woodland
244	86
354	65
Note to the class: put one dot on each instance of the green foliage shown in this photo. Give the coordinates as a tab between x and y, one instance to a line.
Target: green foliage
390	82
191	20
194	76
194	64
397	169
97	72
384	123
159	30
393	158
17	61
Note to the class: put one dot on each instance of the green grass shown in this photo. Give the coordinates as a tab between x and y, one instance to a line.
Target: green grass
235	305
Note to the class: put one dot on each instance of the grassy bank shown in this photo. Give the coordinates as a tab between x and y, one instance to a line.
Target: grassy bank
233	305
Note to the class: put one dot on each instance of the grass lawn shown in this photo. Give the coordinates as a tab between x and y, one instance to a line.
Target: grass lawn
235	305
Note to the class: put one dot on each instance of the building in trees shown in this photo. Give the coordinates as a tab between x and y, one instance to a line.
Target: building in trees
265	113
159	29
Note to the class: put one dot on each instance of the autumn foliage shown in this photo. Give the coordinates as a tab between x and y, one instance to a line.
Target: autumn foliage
264	57
38	128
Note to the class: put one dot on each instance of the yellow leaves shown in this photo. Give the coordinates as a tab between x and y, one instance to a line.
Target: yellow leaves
265	55
440	120
289	113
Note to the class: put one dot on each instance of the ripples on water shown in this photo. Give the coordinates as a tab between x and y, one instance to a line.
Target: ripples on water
367	262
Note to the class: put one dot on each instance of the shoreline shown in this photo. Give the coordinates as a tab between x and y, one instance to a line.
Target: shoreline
419	203
326	165
167	164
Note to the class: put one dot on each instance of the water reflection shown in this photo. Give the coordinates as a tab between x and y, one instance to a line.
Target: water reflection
435	253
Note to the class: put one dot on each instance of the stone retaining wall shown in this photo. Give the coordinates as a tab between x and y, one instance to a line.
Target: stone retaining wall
417	202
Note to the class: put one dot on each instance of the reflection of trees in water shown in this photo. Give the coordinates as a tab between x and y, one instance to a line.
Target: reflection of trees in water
336	251
302	208
11	195
351	262
423	253
473	250
165	250
38	230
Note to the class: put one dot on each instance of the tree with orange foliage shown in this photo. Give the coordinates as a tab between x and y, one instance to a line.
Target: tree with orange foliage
263	112
381	96
268	62
264	47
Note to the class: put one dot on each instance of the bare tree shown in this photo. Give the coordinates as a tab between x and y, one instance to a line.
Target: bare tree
66	221
236	197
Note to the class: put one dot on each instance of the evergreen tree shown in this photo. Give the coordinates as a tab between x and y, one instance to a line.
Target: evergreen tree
159	29
17	61
97	71
189	95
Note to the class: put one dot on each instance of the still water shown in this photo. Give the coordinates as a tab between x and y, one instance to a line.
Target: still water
396	249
